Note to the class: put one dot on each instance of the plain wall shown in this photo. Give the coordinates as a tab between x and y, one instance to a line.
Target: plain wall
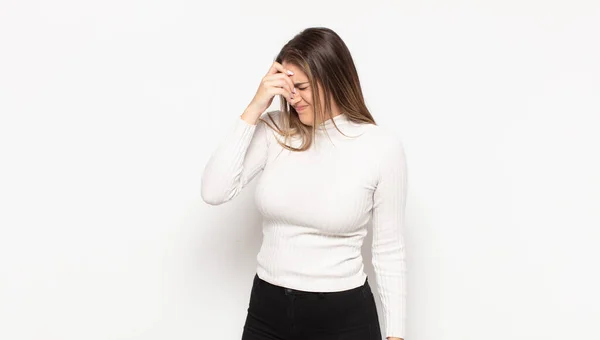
111	109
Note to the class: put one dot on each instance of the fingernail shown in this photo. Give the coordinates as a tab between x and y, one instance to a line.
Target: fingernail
290	72
294	90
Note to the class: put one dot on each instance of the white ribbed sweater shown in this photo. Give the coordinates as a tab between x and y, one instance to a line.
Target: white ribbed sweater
316	206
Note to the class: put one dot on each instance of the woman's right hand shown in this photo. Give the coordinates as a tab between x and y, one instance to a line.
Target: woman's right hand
276	81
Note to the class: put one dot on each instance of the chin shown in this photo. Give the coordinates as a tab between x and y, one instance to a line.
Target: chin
304	120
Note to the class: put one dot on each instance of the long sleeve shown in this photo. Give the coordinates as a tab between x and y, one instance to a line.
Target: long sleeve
388	251
240	156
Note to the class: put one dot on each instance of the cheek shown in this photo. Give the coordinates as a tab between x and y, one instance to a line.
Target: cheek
308	98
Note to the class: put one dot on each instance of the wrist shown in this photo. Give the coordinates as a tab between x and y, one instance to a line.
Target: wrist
251	114
250	117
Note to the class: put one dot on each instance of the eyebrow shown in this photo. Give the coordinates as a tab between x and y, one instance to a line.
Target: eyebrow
298	84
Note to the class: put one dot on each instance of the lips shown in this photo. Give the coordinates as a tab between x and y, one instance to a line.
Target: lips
300	107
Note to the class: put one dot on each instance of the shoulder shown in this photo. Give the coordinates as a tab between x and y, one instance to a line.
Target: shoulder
270	116
388	150
268	123
384	138
270	120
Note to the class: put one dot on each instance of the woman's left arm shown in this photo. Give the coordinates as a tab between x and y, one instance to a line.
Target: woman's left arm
389	200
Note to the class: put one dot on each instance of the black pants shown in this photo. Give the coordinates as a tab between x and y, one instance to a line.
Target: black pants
279	313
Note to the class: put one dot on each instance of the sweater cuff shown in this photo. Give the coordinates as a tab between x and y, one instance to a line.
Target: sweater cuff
243	130
395	328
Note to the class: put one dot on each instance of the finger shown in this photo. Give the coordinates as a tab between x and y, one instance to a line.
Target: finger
281	80
275	87
277	67
288	82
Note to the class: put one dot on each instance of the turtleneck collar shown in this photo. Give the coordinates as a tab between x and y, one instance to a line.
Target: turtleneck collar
340	120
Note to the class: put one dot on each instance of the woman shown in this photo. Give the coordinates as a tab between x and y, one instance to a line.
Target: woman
327	169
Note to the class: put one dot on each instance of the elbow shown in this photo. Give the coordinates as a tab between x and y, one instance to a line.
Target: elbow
211	193
211	200
216	194
211	196
216	191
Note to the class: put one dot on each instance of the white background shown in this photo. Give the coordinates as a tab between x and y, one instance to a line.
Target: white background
110	110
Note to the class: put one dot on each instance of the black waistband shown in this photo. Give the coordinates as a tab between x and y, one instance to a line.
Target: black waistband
290	291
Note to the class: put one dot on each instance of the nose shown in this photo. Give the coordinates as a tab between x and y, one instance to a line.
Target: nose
295	100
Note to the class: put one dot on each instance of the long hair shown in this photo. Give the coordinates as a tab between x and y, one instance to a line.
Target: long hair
324	57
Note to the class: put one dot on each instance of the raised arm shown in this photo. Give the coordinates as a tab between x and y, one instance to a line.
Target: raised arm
389	200
241	155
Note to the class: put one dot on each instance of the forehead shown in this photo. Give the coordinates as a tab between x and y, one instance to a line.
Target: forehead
299	75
